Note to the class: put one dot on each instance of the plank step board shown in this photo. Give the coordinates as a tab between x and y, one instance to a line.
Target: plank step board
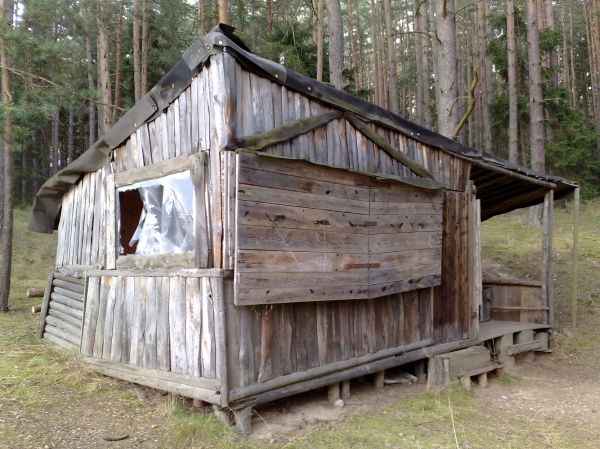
63	319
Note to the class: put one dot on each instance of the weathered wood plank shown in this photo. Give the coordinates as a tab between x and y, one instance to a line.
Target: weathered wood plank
207	336
116	348
150	325
177	316
163	354
138	323
105	285
193	326
109	318
91	316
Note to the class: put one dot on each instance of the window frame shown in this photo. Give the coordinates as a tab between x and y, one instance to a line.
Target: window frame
151	172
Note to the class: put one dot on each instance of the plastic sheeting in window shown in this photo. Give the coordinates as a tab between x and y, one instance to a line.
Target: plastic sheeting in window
166	224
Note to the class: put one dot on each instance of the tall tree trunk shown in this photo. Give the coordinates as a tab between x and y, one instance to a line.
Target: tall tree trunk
224	11
377	97
353	46
7	225
118	61
536	109
572	60
513	113
201	17
423	114
35	173
482	48
391	58
92	87
320	38
71	135
137	57
336	43
104	117
145	45
549	25
55	141
446	75
592	12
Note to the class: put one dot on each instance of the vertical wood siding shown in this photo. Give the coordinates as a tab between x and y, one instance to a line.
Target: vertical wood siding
165	323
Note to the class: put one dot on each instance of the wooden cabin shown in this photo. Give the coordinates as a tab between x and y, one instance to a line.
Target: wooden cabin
246	233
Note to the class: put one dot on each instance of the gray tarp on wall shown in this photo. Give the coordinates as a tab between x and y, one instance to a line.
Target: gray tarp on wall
48	200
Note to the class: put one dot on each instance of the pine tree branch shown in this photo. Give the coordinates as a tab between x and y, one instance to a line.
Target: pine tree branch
26	75
472	101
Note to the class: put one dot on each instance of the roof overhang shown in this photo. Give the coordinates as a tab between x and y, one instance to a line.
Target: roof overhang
496	179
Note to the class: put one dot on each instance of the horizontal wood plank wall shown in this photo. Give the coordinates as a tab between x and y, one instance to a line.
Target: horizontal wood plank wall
313	233
165	323
268	341
523	303
263	105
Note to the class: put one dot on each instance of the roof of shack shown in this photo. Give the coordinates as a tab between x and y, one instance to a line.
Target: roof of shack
501	185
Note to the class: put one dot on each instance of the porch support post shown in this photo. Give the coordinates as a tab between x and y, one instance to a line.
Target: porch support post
574	255
547	230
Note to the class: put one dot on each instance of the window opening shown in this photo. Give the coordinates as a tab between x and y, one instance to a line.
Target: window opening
157	216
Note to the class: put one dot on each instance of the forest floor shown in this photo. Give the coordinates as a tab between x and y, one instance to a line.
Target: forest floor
49	400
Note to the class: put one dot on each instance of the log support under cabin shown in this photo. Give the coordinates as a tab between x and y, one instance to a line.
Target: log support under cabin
243	420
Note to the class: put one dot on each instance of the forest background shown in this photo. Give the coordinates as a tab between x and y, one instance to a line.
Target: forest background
519	78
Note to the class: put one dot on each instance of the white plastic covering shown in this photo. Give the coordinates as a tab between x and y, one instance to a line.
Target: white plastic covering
166	224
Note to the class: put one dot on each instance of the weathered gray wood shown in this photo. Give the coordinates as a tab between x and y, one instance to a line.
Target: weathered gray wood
193	325
221	337
345	390
151	317
198	173
183	385
72	338
109	319
158	170
243	420
177	150
574	259
68	285
163	353
59	341
105	285
547	234
318	372
69	302
128	314
138	323
333	392
350	373
116	348
286	132
361	126
183	260
111	231
207	337
229	192
177	316
45	304
68	293
67	318
156	272
77	314
64	325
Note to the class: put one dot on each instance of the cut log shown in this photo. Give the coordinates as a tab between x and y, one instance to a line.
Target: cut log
36	309
35	292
